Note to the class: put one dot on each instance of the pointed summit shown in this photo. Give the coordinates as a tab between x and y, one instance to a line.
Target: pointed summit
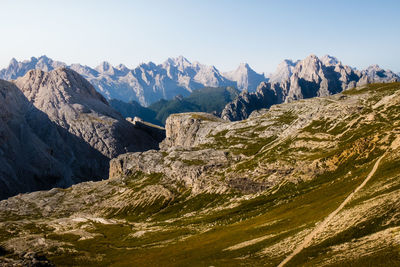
283	71
44	57
180	62
245	77
13	62
105	67
64	96
328	60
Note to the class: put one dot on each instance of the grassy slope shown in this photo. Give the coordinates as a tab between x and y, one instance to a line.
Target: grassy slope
208	99
281	214
202	100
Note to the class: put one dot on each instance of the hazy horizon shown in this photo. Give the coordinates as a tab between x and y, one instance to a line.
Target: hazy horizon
223	33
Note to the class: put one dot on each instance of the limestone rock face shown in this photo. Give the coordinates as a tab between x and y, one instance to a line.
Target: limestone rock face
72	103
56	130
185	130
266	95
283	71
311	77
36	153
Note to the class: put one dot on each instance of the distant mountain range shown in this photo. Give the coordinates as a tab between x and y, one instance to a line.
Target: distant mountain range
146	83
307	78
149	83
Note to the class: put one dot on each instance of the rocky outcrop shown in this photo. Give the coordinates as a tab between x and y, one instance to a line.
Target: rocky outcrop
266	95
56	130
311	77
185	130
72	103
36	153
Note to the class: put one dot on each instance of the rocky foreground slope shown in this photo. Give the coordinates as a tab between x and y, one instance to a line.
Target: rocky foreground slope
56	130
234	193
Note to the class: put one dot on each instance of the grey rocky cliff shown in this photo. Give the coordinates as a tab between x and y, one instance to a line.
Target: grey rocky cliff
56	130
311	77
266	95
183	132
283	71
36	153
188	129
72	103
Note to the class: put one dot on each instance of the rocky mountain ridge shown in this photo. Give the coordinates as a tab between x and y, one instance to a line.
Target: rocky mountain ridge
311	77
57	130
145	84
149	82
245	77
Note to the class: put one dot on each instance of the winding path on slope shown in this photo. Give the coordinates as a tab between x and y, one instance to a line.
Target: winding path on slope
307	240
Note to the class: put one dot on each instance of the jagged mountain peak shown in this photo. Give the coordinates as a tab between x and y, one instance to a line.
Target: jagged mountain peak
149	65
13	62
244	65
104	67
283	71
73	103
245	77
329	60
377	73
374	67
60	85
178	61
45	58
307	78
242	68
149	82
312	58
308	66
122	67
18	69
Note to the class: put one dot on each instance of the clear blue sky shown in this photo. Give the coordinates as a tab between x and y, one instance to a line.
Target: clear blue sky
223	33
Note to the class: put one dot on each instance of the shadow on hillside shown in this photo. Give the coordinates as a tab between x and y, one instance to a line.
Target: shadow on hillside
37	154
